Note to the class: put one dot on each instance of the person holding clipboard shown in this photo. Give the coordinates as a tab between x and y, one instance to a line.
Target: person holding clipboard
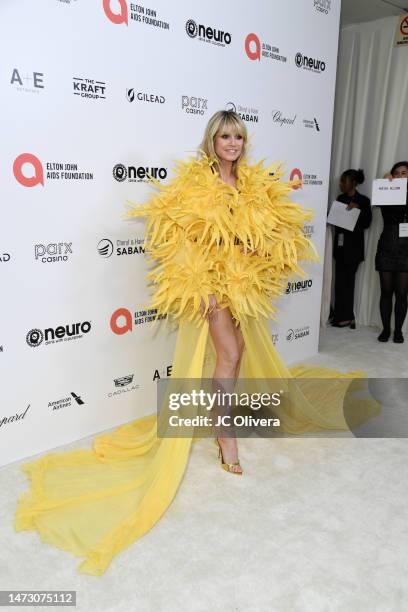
391	261
348	248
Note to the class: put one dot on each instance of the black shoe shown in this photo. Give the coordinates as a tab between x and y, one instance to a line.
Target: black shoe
384	336
398	337
337	324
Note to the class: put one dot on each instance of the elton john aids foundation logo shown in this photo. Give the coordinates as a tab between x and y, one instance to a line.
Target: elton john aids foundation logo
36	178
28	170
296	175
255	49
116	17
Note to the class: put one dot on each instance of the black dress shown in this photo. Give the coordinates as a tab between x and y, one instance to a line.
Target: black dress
348	251
392	251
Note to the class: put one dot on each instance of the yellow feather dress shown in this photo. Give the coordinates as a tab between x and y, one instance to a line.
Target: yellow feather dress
202	237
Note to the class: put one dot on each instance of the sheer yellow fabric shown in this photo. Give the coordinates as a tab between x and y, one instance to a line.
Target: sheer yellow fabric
96	502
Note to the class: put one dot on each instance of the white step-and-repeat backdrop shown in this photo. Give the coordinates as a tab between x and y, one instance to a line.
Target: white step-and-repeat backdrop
95	94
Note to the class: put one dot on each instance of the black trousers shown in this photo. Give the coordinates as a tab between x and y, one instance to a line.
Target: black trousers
344	290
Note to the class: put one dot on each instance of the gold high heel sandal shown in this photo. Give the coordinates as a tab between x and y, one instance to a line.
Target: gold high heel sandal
226	466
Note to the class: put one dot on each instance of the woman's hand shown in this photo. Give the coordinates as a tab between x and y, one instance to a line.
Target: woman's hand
388	176
212	309
353	205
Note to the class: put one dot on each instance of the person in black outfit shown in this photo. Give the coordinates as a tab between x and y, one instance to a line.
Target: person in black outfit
348	248
391	261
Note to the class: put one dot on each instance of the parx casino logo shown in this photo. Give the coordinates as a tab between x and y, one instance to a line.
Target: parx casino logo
322	6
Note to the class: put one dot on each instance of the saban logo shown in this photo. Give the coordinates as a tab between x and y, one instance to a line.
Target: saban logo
297	334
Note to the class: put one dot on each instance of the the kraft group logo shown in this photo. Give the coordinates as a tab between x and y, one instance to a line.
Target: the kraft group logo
119	17
296	175
309	63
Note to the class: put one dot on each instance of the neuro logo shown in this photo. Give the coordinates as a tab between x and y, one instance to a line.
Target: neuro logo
116	18
121	321
191	28
130	94
105	247
296	174
33	178
35	337
120	172
309	63
298	286
290	334
207	33
253	47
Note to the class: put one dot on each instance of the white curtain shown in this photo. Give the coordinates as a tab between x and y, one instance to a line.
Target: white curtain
370	131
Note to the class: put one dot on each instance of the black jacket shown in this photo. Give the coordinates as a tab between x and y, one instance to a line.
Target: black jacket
352	250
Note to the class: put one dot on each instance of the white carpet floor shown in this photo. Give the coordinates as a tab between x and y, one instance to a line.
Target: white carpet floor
315	525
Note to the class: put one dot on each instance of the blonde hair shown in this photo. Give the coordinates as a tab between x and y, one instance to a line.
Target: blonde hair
220	122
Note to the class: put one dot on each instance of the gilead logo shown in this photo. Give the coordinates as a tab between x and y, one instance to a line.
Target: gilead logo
121	321
36	166
296	175
253	47
117	18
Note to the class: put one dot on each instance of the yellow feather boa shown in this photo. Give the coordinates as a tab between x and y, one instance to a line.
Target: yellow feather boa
197	227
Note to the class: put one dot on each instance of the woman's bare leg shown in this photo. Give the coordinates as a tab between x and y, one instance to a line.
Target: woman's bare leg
241	345
228	344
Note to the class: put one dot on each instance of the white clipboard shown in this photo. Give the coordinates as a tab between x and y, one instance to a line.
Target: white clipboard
341	217
389	193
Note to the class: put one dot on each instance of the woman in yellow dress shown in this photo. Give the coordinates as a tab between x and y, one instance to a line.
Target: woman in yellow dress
223	237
